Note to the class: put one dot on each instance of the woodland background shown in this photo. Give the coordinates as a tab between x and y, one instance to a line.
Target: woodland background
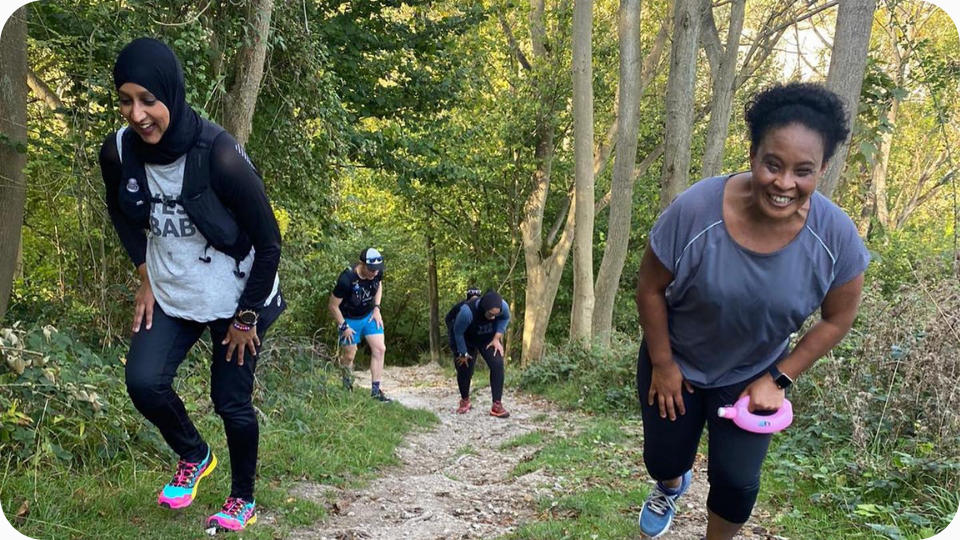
524	146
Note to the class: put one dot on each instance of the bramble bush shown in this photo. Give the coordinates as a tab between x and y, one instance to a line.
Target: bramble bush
596	379
63	403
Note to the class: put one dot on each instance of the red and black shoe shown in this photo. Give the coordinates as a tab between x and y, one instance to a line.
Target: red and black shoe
498	410
464	407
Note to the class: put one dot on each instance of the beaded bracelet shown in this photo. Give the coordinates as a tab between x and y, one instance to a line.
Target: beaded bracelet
241	327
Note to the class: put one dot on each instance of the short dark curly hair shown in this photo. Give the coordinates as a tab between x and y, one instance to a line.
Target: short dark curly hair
808	104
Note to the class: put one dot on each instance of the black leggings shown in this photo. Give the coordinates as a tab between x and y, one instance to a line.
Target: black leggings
152	364
735	456
494	362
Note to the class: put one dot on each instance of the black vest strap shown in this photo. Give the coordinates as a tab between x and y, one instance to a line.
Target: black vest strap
199	199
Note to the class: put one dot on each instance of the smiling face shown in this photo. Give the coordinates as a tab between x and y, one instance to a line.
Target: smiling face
146	114
786	167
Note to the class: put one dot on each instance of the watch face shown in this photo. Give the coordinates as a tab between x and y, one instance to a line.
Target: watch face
783	381
247	317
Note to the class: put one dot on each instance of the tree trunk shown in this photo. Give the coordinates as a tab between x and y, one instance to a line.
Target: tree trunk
543	271
13	156
434	296
848	62
538	32
723	90
621	201
878	182
581	317
242	99
678	131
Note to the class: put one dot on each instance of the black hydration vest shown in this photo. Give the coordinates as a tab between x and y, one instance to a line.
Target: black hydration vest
451	316
201	202
472	334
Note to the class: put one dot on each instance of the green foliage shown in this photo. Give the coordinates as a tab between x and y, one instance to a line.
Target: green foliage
901	259
598	379
64	403
85	462
600	486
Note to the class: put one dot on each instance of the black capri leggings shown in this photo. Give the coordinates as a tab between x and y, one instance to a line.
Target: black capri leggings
494	362
735	456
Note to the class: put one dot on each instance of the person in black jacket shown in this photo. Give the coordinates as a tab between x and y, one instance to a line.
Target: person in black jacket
190	209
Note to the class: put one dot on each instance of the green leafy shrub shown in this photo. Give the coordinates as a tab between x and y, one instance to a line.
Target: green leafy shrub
61	401
599	378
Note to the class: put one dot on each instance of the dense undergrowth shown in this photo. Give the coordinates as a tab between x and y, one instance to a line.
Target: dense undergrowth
874	451
78	461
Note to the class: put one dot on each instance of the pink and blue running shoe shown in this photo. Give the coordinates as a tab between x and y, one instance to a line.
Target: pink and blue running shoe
181	491
235	515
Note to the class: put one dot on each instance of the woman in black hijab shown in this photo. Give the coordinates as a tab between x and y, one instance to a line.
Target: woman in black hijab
475	327
192	214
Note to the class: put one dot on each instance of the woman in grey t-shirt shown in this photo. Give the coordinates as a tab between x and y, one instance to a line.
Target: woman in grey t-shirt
734	266
191	211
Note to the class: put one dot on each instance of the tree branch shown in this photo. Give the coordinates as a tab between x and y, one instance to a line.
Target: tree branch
512	41
764	41
710	40
43	91
564	208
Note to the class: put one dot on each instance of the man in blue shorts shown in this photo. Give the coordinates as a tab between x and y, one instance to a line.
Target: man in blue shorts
355	305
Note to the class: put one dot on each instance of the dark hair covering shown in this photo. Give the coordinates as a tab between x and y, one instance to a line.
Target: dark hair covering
808	104
154	66
490	300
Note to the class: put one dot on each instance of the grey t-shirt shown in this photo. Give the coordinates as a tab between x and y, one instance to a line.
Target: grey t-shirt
185	286
730	310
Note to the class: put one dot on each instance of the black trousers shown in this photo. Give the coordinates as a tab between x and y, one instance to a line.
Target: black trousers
735	456
152	364
494	360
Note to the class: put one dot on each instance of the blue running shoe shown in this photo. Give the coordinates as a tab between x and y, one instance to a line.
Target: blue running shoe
235	515
660	506
181	491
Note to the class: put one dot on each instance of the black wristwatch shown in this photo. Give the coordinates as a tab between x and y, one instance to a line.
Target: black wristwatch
344	326
780	378
247	317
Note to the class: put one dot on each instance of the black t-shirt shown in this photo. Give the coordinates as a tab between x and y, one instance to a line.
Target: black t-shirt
358	294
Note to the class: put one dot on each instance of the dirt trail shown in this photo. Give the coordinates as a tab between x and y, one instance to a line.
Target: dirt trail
454	482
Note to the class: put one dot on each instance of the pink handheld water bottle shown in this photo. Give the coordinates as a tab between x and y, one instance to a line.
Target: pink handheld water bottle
756	423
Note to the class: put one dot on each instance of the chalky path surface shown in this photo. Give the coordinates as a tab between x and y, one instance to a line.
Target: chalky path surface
454	482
